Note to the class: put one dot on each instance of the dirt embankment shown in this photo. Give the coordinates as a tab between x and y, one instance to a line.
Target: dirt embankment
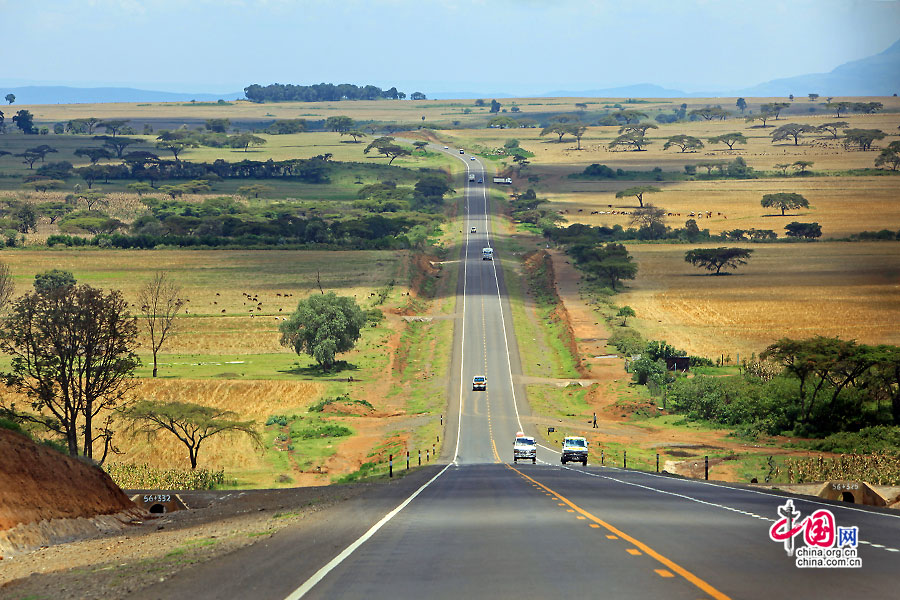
541	276
46	496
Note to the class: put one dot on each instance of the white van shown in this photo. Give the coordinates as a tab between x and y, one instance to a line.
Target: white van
487	254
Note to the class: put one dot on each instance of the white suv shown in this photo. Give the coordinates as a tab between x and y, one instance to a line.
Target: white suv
574	449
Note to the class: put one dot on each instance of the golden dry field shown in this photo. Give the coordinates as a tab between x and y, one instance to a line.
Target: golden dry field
235	453
849	290
219	317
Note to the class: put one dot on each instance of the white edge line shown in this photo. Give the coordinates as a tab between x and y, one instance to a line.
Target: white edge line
310	583
321	573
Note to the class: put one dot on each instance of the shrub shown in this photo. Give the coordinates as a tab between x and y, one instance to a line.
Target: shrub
146	477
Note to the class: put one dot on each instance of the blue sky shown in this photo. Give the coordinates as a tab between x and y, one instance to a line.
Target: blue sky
515	46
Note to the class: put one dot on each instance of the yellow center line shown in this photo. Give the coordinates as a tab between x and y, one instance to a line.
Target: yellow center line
703	585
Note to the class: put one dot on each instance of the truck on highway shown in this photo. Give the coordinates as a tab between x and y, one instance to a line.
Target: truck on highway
574	449
503	180
479	383
525	448
471	176
487	254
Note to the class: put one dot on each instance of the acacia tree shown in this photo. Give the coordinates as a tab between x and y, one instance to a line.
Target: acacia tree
792	131
115	144
784	201
862	138
741	104
638	192
72	350
190	423
715	259
339	124
762	115
160	302
648	216
611	262
625	312
729	139
685	142
322	326
889	157
832	127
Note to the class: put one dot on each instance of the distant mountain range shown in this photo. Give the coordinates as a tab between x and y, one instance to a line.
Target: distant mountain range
41	94
877	75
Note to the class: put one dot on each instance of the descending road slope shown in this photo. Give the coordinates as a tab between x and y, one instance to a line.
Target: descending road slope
481	527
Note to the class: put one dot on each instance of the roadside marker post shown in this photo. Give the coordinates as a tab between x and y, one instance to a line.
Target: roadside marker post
420	458
624	459
602	458
706	467
657	462
390	465
407	460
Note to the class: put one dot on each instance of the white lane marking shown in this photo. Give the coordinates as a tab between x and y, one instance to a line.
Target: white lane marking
337	560
321	573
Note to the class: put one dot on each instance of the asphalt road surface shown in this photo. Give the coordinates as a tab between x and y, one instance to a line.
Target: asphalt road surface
480	527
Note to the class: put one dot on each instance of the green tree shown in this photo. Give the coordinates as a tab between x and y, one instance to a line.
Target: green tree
142	187
29	158
503	122
10	98
190	423
254	190
709	113
115	144
245	140
7	287
495	106
715	259
323	326
72	350
176	147
762	115
889	157
417	96
729	139
160	300
807	231
611	262
813	97
784	201
355	134
633	139
741	104
339	123
218	125
113	125
774	108
386	146
54	279
832	127
638	192
685	142
625	312
24	120
862	138
629	116
94	155
839	107
648	216
792	131
802	165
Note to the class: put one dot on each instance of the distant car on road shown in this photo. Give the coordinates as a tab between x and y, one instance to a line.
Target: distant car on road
574	449
446	147
471	158
487	254
461	151
479	383
474	230
480	180
524	447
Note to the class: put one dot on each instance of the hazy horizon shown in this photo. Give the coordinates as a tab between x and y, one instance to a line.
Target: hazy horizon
527	46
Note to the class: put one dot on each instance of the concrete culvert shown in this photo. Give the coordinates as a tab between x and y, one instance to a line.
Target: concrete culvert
848	497
159	508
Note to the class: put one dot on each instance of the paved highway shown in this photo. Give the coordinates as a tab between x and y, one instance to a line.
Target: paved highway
480	527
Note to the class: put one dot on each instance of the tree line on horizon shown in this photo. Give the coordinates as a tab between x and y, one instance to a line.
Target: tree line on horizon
323	92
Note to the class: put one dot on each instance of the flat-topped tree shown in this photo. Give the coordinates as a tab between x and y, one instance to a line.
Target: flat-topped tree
862	138
774	107
889	157
729	139
792	131
116	144
762	115
784	201
685	142
113	125
339	123
832	127
638	192
716	259
94	155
